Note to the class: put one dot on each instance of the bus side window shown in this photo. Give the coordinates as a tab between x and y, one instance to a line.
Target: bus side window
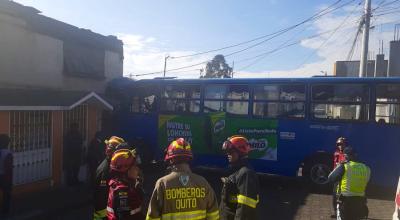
279	101
387	108
340	101
144	100
180	98
233	99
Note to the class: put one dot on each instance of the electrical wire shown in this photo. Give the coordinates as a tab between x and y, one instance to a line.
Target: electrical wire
387	13
330	36
274	35
353	46
282	46
315	16
383	4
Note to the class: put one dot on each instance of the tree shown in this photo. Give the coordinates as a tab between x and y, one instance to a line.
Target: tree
218	68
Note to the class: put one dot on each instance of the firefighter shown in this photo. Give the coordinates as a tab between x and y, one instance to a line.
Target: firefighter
182	194
125	196
239	196
338	158
353	177
102	178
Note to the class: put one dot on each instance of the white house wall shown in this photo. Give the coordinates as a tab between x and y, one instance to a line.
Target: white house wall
29	59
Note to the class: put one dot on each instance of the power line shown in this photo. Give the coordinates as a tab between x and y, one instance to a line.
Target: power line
387	9
383	4
282	46
327	39
379	5
315	16
273	35
353	46
387	13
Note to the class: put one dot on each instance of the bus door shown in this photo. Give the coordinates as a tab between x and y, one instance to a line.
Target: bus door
140	125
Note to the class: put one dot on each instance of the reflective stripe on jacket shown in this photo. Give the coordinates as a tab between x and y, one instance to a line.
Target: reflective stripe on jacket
100	190
239	197
355	179
183	195
100	214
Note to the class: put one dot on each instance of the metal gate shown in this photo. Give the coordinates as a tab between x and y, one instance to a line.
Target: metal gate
30	133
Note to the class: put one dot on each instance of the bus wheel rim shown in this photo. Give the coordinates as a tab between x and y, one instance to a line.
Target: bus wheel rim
319	173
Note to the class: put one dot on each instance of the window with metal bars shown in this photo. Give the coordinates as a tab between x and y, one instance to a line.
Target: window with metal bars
30	130
31	135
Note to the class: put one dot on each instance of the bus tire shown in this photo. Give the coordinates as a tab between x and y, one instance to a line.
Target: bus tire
317	169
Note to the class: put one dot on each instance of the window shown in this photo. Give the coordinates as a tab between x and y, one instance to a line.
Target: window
340	101
284	101
388	104
232	99
30	141
144	99
83	61
180	98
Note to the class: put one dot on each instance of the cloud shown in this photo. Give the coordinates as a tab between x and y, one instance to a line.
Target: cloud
334	47
146	54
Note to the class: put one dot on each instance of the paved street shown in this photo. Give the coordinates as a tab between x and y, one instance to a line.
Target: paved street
281	199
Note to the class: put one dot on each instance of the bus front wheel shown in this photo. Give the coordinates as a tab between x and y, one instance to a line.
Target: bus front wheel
317	169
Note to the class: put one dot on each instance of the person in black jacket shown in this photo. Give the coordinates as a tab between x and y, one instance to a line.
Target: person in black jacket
102	178
239	197
6	174
73	142
95	154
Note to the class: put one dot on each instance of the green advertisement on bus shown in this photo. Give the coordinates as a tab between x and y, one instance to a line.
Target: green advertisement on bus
206	133
261	134
191	128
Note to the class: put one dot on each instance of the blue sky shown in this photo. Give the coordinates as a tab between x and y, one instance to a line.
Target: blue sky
151	29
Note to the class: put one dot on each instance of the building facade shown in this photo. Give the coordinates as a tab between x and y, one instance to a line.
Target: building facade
52	74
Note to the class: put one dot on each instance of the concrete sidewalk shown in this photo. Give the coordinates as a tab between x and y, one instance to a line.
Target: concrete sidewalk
50	203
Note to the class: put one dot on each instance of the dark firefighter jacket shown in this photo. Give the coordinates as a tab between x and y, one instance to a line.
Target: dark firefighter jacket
183	195
124	201
239	197
101	189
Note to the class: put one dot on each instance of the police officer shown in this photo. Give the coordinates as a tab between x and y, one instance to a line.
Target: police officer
353	177
182	194
239	197
338	158
102	178
125	196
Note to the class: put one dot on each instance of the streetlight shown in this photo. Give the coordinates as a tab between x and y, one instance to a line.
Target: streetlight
165	63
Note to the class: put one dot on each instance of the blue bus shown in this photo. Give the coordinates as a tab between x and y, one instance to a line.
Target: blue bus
291	123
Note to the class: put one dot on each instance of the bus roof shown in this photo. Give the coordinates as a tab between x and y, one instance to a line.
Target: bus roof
273	80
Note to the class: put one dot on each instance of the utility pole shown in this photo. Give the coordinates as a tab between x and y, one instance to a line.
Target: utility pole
233	66
165	64
364	50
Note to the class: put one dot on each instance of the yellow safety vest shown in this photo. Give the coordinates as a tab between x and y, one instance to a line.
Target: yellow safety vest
355	179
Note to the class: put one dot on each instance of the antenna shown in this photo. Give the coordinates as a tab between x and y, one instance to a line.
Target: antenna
397	29
396	34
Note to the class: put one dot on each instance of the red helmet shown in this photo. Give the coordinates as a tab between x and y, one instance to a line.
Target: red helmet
122	160
179	149
112	144
341	141
238	143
